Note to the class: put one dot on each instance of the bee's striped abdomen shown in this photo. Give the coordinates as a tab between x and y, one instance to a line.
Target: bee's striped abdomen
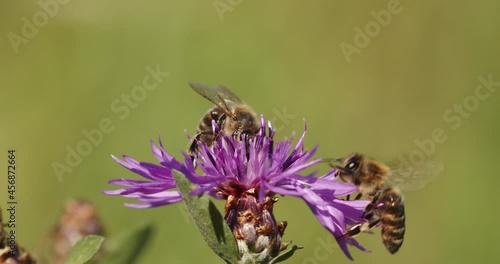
392	220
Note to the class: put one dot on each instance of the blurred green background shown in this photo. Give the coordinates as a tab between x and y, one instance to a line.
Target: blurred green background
280	57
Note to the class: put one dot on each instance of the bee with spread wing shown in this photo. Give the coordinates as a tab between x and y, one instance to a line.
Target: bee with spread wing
378	183
232	116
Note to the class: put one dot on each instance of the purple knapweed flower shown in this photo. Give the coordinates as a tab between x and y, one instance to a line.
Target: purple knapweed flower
248	174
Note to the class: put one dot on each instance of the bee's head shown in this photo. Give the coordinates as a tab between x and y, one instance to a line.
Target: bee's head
243	122
350	168
247	121
353	162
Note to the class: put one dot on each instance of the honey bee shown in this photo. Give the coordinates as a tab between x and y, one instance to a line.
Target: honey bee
375	181
232	116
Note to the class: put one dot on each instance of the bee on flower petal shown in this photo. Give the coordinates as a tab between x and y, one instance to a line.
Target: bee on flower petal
378	183
232	116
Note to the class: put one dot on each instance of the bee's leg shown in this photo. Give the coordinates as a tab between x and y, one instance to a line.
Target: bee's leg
362	228
194	144
368	214
353	231
348	197
220	120
372	223
369	208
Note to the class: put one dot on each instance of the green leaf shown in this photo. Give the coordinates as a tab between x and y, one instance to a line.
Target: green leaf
285	255
209	221
84	250
128	245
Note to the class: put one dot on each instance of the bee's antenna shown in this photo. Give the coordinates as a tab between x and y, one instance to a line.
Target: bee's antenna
332	160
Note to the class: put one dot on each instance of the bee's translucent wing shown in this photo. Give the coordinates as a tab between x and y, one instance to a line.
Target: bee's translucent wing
407	176
219	95
226	94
